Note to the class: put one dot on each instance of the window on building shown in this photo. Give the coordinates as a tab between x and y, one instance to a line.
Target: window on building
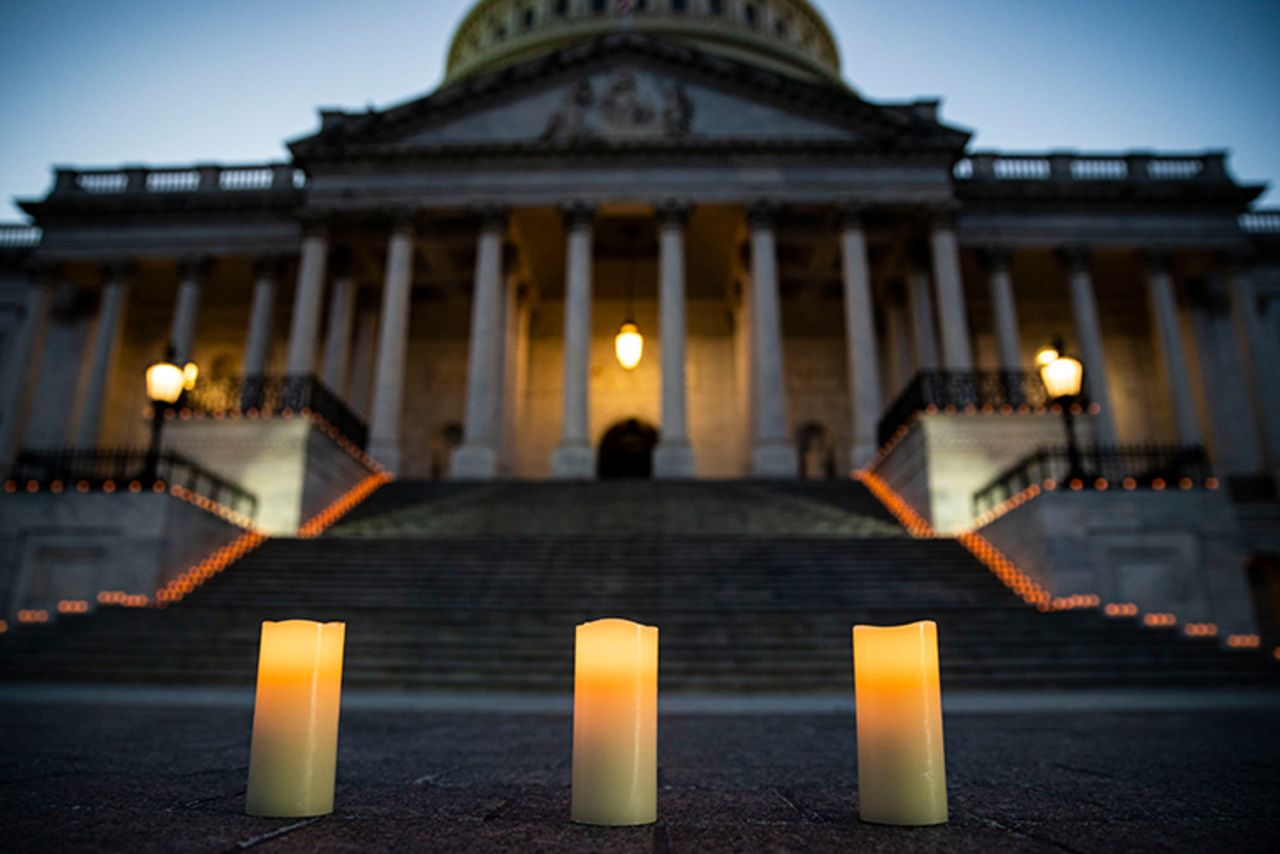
679	6
752	15
716	7
562	8
499	32
641	5
598	6
782	27
526	19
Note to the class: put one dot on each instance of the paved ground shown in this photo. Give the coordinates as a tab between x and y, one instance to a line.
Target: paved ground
150	774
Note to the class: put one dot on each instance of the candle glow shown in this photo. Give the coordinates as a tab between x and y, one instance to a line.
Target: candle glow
901	769
615	723
293	760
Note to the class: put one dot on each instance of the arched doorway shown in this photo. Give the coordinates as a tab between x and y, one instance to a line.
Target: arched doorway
626	451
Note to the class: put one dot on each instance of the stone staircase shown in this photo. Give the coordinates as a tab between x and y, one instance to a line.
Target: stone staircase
754	586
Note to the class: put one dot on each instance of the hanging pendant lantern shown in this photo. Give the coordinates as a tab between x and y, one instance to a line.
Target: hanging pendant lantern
628	345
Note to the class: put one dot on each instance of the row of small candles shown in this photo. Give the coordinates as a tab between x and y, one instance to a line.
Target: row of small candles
901	771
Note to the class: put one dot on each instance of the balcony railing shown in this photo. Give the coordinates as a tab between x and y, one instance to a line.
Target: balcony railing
964	391
1068	166
1105	467
1261	222
267	396
205	178
125	469
17	235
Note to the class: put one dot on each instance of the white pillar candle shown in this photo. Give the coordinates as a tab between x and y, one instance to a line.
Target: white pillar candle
902	775
293	760
615	723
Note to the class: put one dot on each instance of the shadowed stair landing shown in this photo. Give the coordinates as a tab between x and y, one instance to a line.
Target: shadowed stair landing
755	587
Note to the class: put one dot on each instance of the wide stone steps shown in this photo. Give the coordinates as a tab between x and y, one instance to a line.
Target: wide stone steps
755	588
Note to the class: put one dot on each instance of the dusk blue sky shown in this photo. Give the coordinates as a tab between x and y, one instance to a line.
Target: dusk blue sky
88	82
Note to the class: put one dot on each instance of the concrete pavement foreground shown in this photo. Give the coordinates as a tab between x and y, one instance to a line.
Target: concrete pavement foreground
120	770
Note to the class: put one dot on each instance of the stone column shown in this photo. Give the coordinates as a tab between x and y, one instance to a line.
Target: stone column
308	300
1235	446
477	457
573	458
773	454
21	370
898	329
393	343
1168	333
673	458
257	344
101	358
1089	338
362	359
860	338
744	367
1260	357
1004	309
957	354
337	343
182	333
923	332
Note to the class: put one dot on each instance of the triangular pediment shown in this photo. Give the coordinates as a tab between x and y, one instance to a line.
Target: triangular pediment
628	90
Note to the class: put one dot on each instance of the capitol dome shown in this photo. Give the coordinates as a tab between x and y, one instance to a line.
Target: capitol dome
789	36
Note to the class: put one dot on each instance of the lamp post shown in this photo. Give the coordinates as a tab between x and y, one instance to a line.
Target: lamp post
165	384
1063	377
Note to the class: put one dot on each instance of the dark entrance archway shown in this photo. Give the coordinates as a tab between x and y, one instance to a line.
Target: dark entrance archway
626	452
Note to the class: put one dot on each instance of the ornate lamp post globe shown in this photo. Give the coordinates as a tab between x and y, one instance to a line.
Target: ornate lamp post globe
1063	378
628	345
165	384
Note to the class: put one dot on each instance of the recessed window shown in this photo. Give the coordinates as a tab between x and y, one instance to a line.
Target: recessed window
717	7
679	6
641	5
562	8
782	27
499	33
752	14
598	6
526	19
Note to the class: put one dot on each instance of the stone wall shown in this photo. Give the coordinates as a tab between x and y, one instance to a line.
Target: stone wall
74	546
293	469
1176	552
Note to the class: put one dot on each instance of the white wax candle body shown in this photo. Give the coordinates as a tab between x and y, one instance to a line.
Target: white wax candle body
293	759
615	723
901	765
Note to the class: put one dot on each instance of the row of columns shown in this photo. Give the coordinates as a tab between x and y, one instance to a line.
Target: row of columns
491	365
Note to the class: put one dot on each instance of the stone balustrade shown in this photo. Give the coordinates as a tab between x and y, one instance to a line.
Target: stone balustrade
1067	166
202	178
1261	222
17	235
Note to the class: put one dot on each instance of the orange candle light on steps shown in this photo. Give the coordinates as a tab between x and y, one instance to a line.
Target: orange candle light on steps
901	769
293	760
615	723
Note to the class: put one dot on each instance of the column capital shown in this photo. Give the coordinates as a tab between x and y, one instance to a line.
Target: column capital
194	267
1157	261
492	219
942	216
115	273
578	215
267	266
852	215
314	224
673	213
1076	259
762	214
997	258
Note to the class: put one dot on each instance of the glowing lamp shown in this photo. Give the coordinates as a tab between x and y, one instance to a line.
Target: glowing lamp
190	373
628	345
165	382
1062	375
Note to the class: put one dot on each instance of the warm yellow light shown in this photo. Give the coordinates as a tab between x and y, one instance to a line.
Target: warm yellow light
190	373
628	345
165	382
1062	376
1046	354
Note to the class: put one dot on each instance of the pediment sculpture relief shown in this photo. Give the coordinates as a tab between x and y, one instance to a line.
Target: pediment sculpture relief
624	106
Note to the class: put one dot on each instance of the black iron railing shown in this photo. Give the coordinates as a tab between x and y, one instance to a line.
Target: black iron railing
267	396
119	469
1111	467
988	391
